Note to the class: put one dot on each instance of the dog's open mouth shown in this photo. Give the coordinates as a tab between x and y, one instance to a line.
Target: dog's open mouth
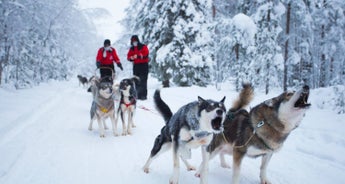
302	101
217	123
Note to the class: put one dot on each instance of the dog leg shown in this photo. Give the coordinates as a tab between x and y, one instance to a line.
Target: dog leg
176	160
101	128
264	162
105	125
237	159
124	127
158	148
92	114
90	125
203	169
132	116
115	122
223	162
129	125
188	165
112	119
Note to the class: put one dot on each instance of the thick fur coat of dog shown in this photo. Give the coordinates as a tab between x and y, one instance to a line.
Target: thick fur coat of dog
260	132
192	126
128	102
103	106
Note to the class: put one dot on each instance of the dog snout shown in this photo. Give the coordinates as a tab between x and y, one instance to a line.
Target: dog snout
219	112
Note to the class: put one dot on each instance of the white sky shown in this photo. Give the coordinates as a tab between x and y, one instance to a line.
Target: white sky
111	27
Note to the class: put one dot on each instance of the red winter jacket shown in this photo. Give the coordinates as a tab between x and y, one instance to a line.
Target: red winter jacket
138	56
111	56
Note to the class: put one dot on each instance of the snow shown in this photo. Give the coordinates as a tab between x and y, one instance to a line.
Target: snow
44	139
245	25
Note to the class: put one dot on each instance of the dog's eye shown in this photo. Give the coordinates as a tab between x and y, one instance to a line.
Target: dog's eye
210	107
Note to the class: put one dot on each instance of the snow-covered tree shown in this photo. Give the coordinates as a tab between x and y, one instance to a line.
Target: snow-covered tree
269	60
41	40
179	36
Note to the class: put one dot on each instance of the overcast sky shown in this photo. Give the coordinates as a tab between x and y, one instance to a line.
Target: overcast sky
111	28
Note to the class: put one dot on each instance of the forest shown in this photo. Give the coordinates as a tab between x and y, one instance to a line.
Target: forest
270	43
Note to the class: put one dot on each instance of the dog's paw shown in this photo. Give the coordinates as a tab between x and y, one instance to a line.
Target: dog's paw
265	181
124	133
90	128
173	180
116	134
129	132
197	174
225	165
191	168
102	135
146	170
133	126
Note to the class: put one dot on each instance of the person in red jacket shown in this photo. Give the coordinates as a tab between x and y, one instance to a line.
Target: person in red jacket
105	59
139	55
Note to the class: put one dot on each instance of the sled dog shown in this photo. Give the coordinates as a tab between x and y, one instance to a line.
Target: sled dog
128	101
82	80
102	105
193	125
260	132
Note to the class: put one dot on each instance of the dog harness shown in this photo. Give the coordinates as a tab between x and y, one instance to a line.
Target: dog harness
132	101
104	109
259	125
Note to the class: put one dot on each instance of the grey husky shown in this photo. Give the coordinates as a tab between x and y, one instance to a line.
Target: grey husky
102	105
260	132
192	126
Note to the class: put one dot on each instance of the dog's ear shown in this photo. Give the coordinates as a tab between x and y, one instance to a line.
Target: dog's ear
201	100
269	102
223	100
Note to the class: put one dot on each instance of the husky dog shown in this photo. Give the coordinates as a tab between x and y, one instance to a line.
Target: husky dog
103	105
82	80
260	132
128	101
191	126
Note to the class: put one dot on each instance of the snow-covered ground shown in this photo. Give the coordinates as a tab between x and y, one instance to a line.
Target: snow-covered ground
44	139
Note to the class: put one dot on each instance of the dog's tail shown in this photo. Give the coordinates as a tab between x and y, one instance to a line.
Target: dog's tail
245	97
162	107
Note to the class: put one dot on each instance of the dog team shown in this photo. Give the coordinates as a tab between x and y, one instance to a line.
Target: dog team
205	123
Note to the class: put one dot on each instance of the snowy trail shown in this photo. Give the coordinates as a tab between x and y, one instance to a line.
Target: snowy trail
44	139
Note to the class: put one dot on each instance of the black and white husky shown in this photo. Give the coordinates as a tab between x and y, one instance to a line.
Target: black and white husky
103	106
191	126
128	104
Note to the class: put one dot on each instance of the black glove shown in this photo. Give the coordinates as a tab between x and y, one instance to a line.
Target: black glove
119	65
98	64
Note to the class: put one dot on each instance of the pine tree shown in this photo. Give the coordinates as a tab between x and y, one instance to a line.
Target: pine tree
179	36
269	60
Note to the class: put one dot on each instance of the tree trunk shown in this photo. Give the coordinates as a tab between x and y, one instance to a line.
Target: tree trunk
286	53
166	84
237	49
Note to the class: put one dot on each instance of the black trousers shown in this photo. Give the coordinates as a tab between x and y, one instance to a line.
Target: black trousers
142	71
106	72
